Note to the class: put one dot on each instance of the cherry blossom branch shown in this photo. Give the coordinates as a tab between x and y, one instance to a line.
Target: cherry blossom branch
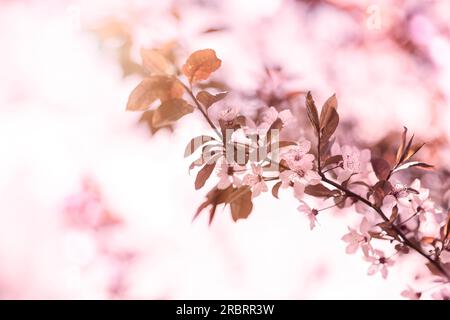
298	168
380	212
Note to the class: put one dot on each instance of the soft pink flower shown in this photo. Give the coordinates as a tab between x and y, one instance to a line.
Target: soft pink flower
310	213
412	294
223	112
256	181
443	294
271	115
301	174
421	202
399	196
379	263
354	162
295	154
359	239
227	174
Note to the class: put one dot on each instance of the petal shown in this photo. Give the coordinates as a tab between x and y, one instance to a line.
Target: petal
307	159
372	269
256	191
389	202
384	272
336	149
263	186
304	146
299	190
344	175
285	178
351	248
236	181
365	226
366	248
312	177
312	221
250	180
286	116
365	156
224	183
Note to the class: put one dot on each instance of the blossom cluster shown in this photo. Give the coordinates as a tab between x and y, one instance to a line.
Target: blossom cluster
247	156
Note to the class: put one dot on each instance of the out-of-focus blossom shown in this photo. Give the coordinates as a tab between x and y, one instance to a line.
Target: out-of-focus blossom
224	112
271	115
87	209
411	294
442	294
379	263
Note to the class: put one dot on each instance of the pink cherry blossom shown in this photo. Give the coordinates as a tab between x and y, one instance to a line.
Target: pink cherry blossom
399	196
359	239
354	162
295	154
310	213
421	202
443	294
226	113
379	263
412	294
256	180
300	175
227	174
271	115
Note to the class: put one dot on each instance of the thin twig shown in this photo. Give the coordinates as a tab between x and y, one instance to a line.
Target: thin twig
205	115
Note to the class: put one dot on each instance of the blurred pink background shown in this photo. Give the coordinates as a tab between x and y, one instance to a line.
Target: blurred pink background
92	206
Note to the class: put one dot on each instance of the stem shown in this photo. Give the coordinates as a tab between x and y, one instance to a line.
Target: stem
408	219
334	205
205	115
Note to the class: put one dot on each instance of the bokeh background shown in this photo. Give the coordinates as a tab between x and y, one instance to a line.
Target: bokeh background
95	206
